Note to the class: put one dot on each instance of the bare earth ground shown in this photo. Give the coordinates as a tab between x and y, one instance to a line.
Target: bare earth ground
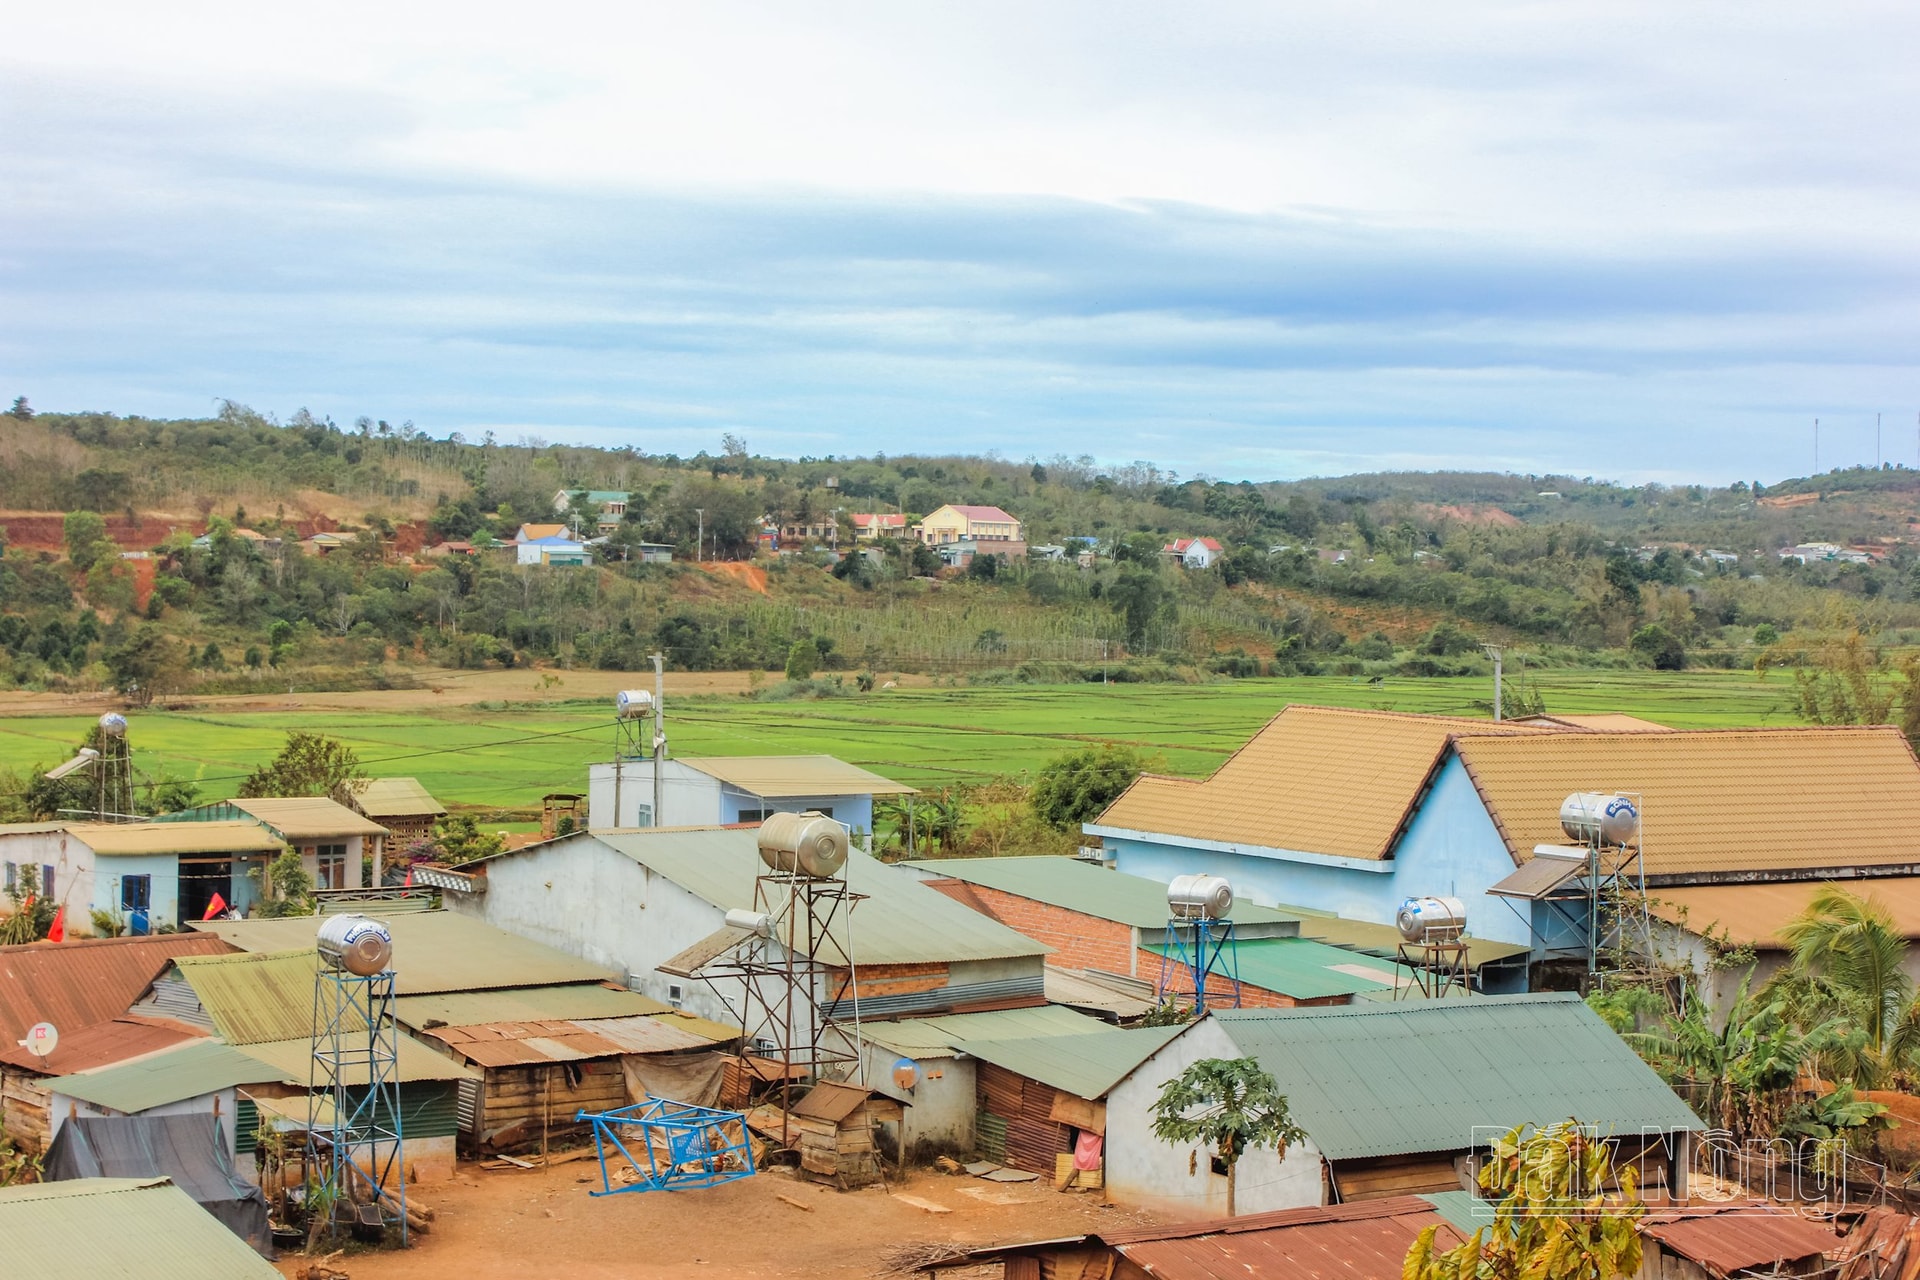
439	688
494	1225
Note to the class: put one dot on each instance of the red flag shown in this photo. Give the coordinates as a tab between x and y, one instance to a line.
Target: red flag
58	933
409	883
216	908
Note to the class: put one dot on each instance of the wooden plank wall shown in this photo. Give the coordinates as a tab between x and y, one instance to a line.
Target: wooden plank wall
1394	1176
518	1098
1034	1138
23	1109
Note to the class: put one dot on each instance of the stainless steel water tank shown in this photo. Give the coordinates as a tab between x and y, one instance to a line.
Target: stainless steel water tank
806	844
631	703
1587	815
1431	919
1199	897
359	945
113	724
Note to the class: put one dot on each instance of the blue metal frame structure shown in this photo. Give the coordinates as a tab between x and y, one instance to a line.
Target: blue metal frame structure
1195	950
355	1149
682	1146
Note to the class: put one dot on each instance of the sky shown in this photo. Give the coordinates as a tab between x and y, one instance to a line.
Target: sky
1247	241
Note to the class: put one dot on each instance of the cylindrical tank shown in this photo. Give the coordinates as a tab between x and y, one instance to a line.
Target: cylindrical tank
807	844
360	945
755	922
1427	919
1589	815
631	703
113	724
1198	897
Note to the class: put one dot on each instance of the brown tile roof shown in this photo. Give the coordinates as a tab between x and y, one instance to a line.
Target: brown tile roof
1754	914
1316	779
1603	722
76	984
1716	800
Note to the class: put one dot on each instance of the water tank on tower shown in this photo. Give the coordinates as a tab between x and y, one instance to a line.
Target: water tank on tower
630	704
113	724
810	845
1431	919
361	946
1199	897
1598	816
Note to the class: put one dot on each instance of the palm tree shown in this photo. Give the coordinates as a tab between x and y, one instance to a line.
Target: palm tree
1740	1076
1848	961
1228	1105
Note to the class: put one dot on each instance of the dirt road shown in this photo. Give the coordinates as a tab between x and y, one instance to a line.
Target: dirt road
492	1226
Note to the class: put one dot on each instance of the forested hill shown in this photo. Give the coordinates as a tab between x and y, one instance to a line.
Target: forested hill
1406	572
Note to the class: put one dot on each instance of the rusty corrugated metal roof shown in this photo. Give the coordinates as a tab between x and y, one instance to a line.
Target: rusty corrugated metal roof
1364	1241
103	1044
76	984
1724	1239
507	1044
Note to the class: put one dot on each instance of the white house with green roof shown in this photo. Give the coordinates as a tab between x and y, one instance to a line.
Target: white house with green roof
1398	1099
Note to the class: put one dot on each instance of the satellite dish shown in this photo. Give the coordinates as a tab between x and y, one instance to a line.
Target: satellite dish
42	1039
906	1073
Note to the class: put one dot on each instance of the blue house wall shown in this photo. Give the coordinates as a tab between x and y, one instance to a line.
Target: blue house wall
163	892
1451	848
855	811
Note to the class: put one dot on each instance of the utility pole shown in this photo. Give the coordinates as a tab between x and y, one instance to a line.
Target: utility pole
1494	651
700	538
659	730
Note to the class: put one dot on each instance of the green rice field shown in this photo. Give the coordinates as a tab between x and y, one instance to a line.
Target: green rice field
499	757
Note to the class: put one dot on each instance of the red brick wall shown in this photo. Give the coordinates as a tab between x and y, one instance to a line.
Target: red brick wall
1082	941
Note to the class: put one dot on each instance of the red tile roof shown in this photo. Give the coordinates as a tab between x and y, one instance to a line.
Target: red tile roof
77	984
986	513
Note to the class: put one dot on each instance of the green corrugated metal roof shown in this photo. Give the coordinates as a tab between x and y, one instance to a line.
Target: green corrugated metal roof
432	951
1085	1066
1391	1079
268	996
415	1061
1081	886
1307	970
524	1004
1384	940
172	1075
91	1227
935	1037
901	922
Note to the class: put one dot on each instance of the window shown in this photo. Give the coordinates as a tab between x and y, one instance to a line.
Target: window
674	994
754	815
136	892
46	880
13	876
330	866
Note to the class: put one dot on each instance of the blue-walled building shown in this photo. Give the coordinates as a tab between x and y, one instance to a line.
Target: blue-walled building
1352	812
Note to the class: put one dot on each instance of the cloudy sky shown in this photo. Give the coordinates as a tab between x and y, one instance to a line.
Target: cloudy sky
1647	241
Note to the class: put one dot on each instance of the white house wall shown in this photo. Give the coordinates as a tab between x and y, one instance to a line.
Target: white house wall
688	798
944	1102
1178	1181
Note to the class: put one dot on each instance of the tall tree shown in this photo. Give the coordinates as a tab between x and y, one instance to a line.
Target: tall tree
1229	1106
85	533
1077	787
310	764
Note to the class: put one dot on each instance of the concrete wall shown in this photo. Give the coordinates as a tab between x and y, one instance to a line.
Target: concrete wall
72	864
1450	848
1178	1182
690	798
855	812
943	1103
107	872
581	897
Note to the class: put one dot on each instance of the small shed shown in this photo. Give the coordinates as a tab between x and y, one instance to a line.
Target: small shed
401	805
196	1077
188	1151
1717	1242
831	1130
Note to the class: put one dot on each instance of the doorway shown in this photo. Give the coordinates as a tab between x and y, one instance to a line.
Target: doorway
200	879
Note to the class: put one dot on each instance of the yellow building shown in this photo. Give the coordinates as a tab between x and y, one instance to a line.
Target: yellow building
969	524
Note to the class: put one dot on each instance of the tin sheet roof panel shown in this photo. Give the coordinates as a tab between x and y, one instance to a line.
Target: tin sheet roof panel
1085	1065
524	1004
646	1034
137	838
1081	886
103	1044
433	951
89	980
308	817
901	921
917	1037
415	1061
172	1075
1377	1079
146	1227
395	798
1304	969
1725	1239
255	996
783	777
